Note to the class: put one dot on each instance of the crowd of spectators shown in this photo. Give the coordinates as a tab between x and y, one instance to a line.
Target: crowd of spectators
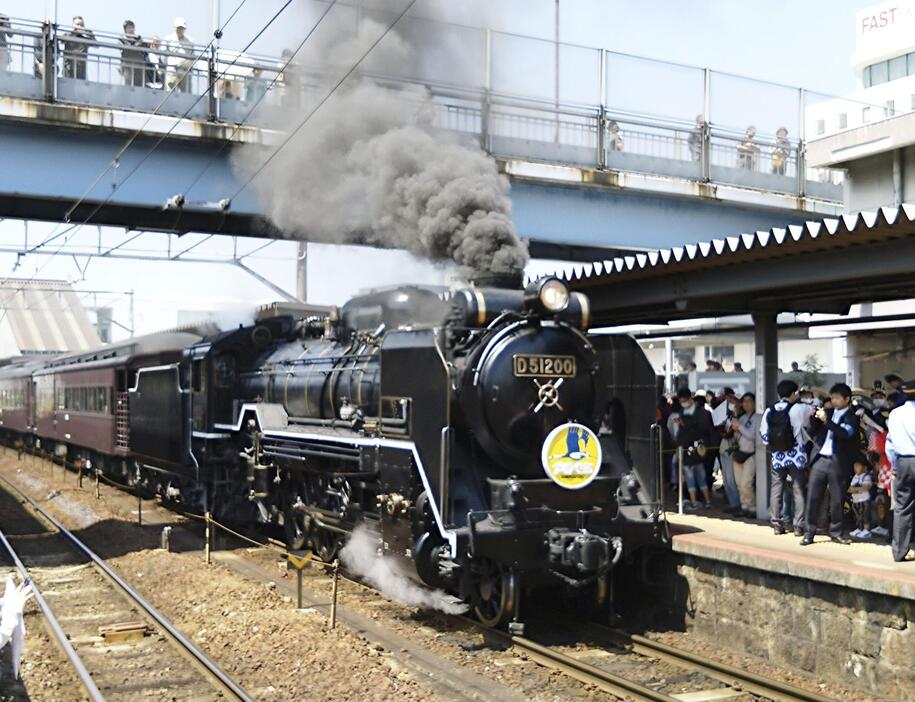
748	150
170	62
831	466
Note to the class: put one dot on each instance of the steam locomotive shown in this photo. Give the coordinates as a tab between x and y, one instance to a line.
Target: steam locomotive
486	439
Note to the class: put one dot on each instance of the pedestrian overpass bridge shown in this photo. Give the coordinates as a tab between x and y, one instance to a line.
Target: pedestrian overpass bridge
589	168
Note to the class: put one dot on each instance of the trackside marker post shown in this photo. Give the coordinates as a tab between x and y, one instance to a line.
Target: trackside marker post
299	563
333	601
206	547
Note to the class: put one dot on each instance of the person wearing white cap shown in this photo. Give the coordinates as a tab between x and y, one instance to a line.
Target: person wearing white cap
181	57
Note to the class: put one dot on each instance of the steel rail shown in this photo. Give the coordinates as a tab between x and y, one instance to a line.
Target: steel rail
545	655
728	674
732	676
227	685
574	668
54	628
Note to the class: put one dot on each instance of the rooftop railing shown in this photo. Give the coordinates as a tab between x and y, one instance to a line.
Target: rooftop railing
519	97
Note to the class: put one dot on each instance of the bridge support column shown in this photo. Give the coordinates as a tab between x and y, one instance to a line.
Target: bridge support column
766	352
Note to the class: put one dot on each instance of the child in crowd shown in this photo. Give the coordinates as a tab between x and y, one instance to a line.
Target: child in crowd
883	513
860	491
876	425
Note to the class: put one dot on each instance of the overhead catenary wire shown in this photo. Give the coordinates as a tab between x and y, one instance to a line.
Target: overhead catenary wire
217	33
323	100
212	159
53	236
133	137
167	133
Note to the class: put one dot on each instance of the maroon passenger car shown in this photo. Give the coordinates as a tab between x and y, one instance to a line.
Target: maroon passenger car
81	400
17	393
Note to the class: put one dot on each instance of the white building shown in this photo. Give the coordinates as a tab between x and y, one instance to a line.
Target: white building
884	67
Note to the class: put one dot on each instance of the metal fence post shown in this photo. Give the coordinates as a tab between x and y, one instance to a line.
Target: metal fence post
486	98
206	547
802	144
49	60
602	138
485	105
602	111
661	477
680	480
706	127
212	102
333	601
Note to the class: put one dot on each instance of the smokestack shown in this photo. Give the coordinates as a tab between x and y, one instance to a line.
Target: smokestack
370	167
510	281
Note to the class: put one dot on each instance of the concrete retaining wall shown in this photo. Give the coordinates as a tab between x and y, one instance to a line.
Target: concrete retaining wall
862	639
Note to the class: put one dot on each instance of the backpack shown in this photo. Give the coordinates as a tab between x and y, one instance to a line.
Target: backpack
781	433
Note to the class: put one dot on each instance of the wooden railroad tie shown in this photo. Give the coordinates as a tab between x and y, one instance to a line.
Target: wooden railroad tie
123	632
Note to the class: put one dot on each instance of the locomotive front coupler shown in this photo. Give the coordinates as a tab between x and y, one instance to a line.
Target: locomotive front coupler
581	552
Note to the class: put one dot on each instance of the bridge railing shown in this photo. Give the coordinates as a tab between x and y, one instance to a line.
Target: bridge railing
605	121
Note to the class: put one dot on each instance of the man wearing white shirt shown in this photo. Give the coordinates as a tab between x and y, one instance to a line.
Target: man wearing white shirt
721	418
181	57
900	448
837	445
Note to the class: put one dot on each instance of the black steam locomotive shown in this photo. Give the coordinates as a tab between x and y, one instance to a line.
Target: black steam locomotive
486	439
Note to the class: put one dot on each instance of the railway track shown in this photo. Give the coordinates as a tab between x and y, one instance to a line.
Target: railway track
732	676
120	646
609	674
738	683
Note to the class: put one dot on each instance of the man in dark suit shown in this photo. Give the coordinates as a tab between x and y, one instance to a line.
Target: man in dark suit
835	433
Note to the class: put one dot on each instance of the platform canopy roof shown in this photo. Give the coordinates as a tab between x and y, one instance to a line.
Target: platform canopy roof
42	316
821	266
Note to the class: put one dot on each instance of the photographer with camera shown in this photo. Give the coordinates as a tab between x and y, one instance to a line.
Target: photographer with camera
837	444
689	429
746	428
722	417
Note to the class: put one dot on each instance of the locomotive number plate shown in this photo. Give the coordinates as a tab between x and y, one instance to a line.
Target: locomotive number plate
541	366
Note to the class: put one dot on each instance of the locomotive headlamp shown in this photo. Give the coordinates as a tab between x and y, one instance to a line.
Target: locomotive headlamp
550	294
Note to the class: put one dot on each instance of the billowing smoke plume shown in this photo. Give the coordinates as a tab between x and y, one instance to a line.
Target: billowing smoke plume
360	557
370	167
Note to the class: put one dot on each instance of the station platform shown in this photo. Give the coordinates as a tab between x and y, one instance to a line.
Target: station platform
861	565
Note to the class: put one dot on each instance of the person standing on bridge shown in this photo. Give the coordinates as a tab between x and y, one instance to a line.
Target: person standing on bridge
76	49
181	57
255	85
900	447
748	151
133	56
781	152
291	80
5	35
697	139
614	136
